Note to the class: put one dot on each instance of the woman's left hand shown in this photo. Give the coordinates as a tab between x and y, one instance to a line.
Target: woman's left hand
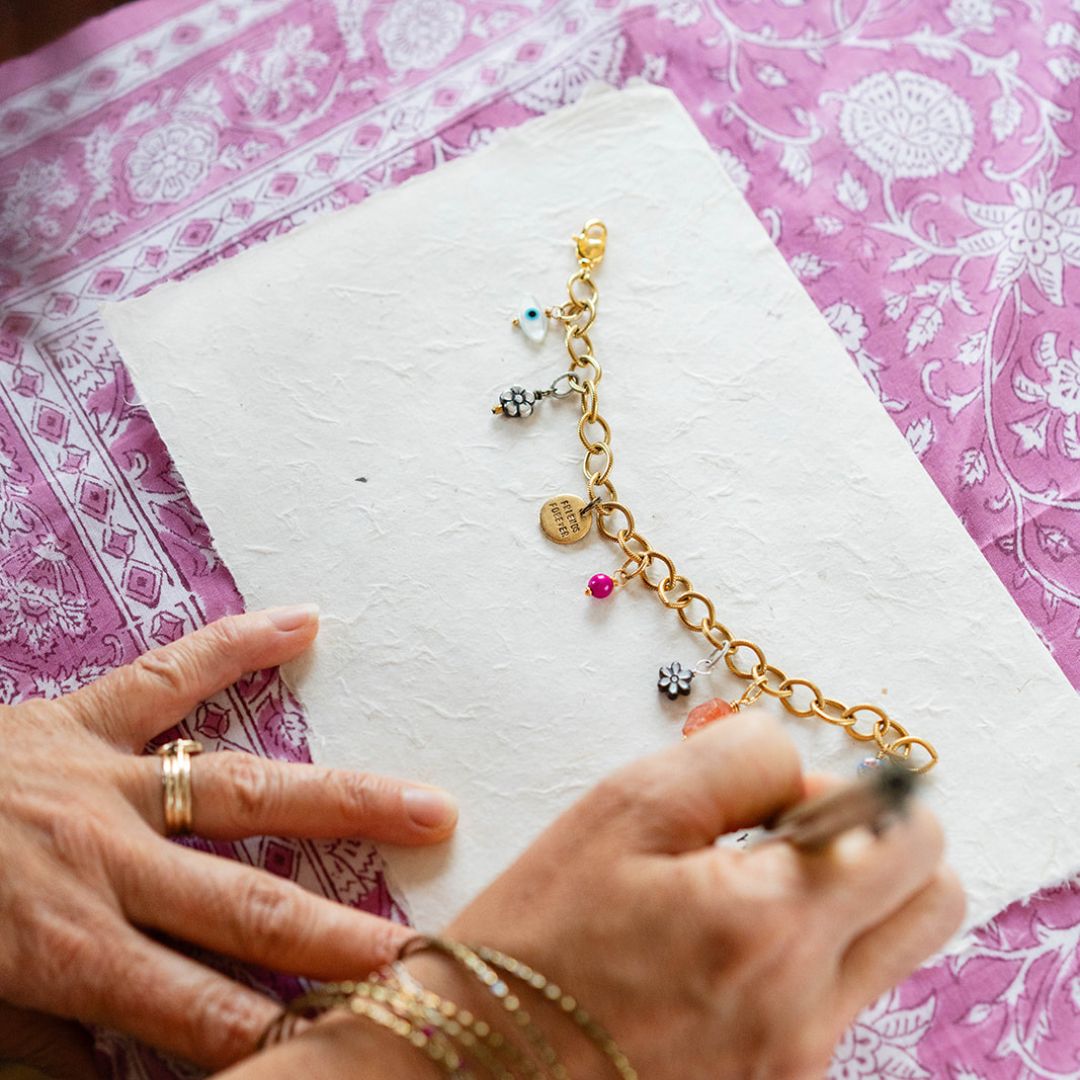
89	879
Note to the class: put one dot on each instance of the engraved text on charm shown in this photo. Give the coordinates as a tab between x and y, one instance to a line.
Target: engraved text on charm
563	520
533	322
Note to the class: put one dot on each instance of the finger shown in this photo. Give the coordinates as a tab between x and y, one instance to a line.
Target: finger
236	795
890	951
864	878
159	997
727	776
52	1046
132	704
256	917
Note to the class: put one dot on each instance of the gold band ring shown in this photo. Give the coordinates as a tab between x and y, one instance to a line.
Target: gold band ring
176	784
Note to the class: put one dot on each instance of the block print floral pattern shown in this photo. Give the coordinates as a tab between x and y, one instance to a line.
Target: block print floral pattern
169	162
915	163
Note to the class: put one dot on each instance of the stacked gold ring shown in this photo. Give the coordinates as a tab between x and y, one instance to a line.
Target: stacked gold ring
176	784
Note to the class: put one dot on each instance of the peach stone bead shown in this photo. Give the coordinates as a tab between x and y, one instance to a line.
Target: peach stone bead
703	715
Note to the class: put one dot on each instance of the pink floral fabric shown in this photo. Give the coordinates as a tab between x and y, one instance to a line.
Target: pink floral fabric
913	161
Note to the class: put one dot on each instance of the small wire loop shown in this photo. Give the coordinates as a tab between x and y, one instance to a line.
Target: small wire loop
750	694
703	667
717	634
572	386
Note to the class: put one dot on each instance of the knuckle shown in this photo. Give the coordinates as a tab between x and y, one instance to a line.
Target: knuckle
226	634
67	953
78	836
951	895
385	941
271	921
253	786
169	669
926	830
616	795
221	1024
358	795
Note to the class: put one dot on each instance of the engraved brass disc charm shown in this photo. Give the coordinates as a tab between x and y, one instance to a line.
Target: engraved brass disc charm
563	521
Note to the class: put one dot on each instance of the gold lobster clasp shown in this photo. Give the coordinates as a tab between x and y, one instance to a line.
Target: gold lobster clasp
591	242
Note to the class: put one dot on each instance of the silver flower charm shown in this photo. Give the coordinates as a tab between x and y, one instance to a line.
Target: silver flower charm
517	401
675	680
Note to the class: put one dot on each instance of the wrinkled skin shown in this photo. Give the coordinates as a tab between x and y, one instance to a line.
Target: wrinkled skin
88	877
702	961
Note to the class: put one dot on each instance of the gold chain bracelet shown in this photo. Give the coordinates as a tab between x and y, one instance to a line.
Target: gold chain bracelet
569	518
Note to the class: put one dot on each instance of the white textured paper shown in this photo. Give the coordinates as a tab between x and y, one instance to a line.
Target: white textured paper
456	645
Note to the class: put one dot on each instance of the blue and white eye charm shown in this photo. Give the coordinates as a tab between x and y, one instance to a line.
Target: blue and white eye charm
533	322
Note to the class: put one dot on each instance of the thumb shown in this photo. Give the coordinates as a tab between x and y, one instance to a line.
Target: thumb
57	1048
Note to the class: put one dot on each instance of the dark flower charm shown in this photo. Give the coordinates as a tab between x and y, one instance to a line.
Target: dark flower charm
675	680
517	401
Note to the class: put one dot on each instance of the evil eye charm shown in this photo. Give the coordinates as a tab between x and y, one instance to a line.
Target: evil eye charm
533	322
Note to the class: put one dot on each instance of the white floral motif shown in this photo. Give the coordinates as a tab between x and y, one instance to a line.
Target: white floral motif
38	615
418	34
1059	395
169	162
1039	233
28	205
736	170
849	324
877	1044
972	14
272	82
906	125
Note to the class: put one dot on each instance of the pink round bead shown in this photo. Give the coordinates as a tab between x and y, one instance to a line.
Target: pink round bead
600	585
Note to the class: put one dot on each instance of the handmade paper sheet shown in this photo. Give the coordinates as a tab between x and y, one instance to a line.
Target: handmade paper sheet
327	399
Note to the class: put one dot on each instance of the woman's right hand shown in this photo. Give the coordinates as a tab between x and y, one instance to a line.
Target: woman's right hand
702	961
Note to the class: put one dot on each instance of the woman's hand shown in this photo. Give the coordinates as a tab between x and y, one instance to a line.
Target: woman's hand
87	875
702	961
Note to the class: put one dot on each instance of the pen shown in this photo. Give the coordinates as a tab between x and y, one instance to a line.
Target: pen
874	800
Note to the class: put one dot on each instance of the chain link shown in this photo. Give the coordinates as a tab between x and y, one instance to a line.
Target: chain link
744	659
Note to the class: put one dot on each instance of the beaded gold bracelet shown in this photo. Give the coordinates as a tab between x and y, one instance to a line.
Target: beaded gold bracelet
459	1025
498	988
481	962
569	1005
394	1000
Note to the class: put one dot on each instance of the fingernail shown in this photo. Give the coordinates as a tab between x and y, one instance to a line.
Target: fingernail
430	808
293	617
